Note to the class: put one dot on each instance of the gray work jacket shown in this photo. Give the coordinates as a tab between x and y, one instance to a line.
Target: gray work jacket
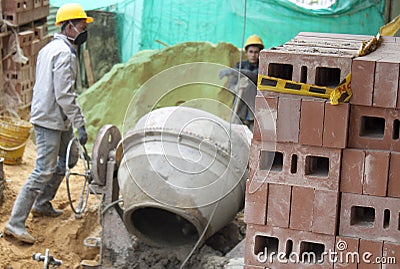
54	99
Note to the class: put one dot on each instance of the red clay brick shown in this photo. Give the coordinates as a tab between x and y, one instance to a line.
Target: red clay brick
369	217
255	204
362	80
324	42
386	84
281	240
37	3
345	247
376	173
266	111
41	12
254	157
394	179
273	61
25	38
41	31
311	122
279	201
19	18
351	178
325	212
301	213
17	6
391	251
335	36
375	249
298	165
374	128
336	124
288	120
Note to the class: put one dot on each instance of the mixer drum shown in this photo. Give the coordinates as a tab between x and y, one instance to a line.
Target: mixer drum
182	176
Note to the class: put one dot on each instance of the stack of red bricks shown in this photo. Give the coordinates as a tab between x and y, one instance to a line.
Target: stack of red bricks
324	188
26	25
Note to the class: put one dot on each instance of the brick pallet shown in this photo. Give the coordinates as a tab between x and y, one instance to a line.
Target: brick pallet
324	178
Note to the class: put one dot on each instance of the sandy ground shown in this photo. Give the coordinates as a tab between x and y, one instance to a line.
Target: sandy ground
64	236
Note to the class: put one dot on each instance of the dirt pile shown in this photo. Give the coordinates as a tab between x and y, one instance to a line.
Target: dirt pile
107	101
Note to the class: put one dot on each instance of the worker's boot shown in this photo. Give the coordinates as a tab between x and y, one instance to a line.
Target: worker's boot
22	206
42	206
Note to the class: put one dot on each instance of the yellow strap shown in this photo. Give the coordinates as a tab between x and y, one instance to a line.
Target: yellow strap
341	93
391	28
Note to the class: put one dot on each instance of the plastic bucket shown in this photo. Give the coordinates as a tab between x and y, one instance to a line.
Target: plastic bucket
14	133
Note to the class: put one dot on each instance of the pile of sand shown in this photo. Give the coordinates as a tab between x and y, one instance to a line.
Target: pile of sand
107	101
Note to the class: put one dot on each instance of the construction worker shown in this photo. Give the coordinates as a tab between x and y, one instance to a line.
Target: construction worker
53	113
246	87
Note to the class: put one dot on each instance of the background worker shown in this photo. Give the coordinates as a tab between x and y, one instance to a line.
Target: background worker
53	113
246	87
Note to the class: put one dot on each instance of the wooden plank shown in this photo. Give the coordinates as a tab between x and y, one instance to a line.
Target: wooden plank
88	66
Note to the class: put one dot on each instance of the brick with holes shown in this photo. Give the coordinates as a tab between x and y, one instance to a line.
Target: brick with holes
273	246
369	217
318	68
17	6
296	165
374	128
19	18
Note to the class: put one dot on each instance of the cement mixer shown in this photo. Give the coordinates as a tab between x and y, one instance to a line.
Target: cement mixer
181	173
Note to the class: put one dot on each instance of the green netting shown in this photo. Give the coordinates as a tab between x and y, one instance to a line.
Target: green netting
146	24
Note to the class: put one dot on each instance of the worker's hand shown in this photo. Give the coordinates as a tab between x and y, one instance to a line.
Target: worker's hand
82	135
225	72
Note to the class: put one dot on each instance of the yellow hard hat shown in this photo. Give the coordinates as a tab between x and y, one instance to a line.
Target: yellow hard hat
254	40
71	11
